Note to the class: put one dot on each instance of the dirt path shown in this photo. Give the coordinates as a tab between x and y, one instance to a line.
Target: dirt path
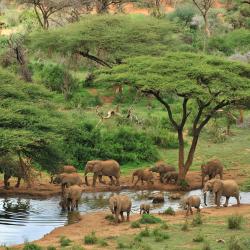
43	189
104	229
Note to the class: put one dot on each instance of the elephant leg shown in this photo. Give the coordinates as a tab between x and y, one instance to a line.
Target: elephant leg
190	209
100	179
198	209
238	200
117	217
121	213
6	179
202	181
136	181
128	212
117	180
76	204
111	180
217	200
142	182
187	211
18	182
226	202
94	180
140	211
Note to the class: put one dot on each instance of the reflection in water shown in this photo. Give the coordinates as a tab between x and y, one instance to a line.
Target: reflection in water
30	219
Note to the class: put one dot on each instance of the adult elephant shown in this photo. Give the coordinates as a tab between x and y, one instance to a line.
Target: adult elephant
67	180
143	175
211	169
227	188
119	204
110	168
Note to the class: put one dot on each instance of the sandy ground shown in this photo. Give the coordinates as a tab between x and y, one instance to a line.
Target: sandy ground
105	229
43	189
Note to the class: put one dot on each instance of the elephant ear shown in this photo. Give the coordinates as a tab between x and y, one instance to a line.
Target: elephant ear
97	167
217	186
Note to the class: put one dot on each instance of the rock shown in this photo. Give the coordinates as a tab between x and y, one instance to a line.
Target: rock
175	196
159	198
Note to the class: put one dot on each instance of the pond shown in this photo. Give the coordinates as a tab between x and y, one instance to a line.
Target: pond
23	219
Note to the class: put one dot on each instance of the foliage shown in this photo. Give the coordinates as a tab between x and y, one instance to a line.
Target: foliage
149	219
234	244
164	226
160	235
90	239
116	37
197	220
135	224
235	221
169	211
64	241
31	246
51	248
145	233
198	238
110	217
185	226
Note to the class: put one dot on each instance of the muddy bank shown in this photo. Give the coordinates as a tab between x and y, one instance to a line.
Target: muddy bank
43	189
103	228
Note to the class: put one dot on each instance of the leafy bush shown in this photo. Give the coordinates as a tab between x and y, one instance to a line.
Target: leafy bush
184	13
31	246
160	235
164	226
197	220
169	211
110	217
235	221
234	244
145	233
64	241
51	248
198	238
90	239
102	243
149	219
185	226
183	184
135	224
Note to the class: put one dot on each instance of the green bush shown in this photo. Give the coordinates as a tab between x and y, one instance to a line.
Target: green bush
184	13
51	248
160	235
64	241
135	224
90	239
149	219
197	220
235	221
234	244
169	211
102	243
198	238
145	233
31	246
164	226
185	226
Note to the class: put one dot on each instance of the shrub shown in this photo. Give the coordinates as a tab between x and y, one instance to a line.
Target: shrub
135	224
90	239
198	238
103	243
169	211
64	241
234	244
121	245
185	13
110	217
164	226
206	246
183	184
144	233
149	219
160	235
235	221
76	247
31	246
51	248
185	226
197	220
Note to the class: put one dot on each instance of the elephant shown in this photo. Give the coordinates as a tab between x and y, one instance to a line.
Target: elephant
192	201
61	170
143	175
110	168
211	168
71	197
220	188
161	167
170	177
67	180
119	204
144	208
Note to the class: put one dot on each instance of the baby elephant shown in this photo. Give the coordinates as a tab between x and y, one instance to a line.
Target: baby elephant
143	175
192	201
119	204
170	177
71	197
144	208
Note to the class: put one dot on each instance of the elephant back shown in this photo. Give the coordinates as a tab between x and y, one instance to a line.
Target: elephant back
110	167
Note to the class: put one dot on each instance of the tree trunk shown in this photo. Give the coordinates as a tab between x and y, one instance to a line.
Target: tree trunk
181	155
241	120
206	27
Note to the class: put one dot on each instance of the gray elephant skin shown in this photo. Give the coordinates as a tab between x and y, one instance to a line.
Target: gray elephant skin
119	204
211	169
143	175
192	201
110	168
144	208
227	188
162	168
67	180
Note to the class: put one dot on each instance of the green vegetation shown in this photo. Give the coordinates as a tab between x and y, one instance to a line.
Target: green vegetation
90	239
197	220
149	219
169	211
235	222
64	241
135	224
31	246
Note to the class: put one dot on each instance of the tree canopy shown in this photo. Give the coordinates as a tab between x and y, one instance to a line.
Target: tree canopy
203	84
109	39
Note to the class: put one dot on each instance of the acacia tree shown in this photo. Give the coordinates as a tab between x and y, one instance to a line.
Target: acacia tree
202	84
204	6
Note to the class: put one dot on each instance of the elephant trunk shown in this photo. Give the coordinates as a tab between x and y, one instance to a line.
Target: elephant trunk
86	177
205	198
